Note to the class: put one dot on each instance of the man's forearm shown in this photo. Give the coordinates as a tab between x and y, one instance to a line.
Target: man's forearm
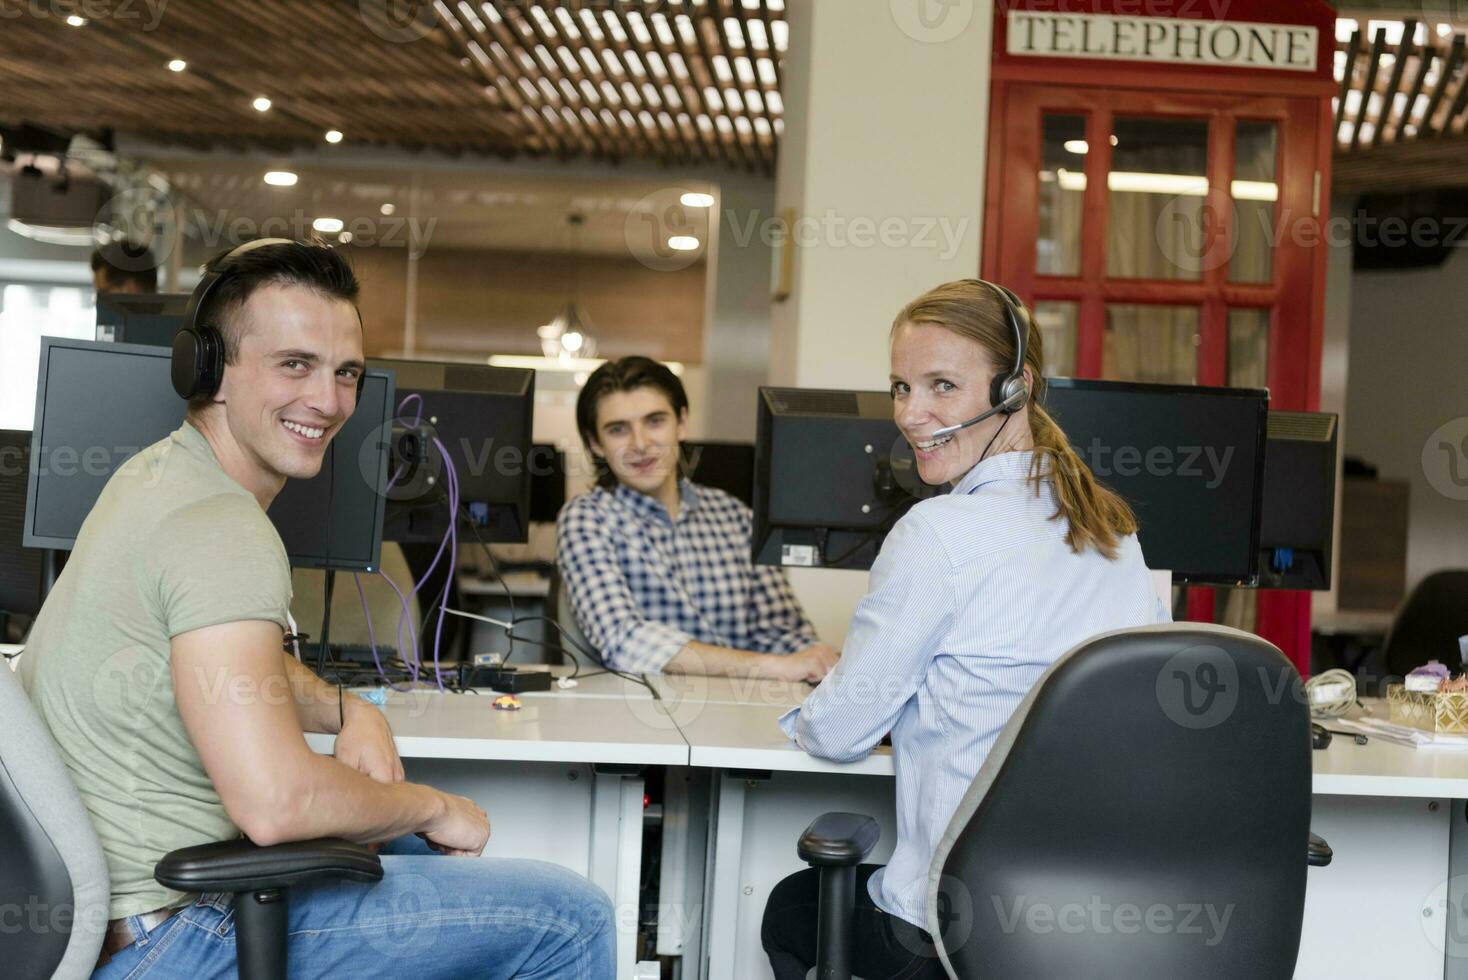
316	700
333	800
715	661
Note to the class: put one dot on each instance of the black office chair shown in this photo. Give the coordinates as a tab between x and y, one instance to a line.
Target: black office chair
1428	624
51	861
1165	768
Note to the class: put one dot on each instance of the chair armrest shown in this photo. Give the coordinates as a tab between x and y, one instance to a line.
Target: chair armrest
838	840
1320	852
240	866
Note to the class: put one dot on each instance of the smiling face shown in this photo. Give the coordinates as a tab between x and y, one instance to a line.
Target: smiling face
940	378
293	382
637	433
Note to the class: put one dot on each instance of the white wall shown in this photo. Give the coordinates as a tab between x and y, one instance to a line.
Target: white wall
736	339
886	120
1408	378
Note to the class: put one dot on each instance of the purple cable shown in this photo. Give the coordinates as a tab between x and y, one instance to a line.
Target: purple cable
372	635
415	662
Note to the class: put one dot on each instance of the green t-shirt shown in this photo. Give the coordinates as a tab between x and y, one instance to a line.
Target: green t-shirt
173	544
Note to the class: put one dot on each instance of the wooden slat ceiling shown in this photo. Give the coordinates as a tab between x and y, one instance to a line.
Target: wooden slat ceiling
681	82
1400	119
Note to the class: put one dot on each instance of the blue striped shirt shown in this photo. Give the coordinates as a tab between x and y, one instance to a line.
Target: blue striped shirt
973	595
643	584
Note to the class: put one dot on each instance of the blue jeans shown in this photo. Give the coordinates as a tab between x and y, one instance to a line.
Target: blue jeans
429	917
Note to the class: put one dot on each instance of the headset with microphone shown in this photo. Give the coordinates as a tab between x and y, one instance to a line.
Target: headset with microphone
198	347
1007	392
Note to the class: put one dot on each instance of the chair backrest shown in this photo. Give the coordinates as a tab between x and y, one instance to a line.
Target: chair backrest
1145	812
53	876
1428	624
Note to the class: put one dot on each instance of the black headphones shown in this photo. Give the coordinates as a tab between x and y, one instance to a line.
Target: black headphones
198	347
1008	392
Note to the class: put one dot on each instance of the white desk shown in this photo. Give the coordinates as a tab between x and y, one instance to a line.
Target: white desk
1392	814
542	774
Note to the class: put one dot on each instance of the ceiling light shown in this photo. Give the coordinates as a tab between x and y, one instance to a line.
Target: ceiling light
573	340
281	178
387	209
328	226
76	21
345	238
177	64
696	200
333	136
1077	146
262	104
683	243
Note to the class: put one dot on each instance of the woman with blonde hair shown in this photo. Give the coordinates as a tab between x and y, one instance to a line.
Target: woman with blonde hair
974	594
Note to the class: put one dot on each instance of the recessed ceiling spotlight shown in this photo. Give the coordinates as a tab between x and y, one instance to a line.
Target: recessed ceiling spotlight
76	21
388	209
696	200
328	226
262	104
281	178
683	243
177	64
333	136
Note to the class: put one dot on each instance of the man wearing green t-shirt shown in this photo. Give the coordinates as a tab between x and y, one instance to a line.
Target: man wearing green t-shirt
158	665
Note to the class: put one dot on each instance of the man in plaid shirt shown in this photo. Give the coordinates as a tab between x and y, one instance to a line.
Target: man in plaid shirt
657	567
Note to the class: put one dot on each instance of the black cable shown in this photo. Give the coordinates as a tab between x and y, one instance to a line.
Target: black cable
499	576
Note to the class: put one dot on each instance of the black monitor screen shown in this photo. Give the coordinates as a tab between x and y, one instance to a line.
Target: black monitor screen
727	466
141	318
832	475
20	567
97	404
1297	524
1189	460
547	483
481	418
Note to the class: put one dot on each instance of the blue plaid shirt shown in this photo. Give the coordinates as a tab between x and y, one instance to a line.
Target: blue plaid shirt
643	585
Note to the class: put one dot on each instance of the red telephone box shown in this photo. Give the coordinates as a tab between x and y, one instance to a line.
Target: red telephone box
1158	178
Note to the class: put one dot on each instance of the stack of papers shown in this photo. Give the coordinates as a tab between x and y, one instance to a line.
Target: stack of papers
1403	734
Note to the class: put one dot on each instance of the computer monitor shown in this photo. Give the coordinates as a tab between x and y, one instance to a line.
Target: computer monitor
832	475
482	417
547	483
140	318
1190	461
98	404
727	466
20	567
1298	519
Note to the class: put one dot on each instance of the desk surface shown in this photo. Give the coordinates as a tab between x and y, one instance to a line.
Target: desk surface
702	722
559	728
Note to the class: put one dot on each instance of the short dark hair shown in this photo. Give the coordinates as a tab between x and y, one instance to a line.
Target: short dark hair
126	262
625	374
312	265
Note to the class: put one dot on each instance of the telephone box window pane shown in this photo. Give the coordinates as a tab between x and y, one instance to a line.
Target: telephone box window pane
1254	191
1153	344
1056	322
1157	184
1248	348
1062	160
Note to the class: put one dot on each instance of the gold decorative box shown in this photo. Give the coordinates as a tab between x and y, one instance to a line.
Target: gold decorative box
1431	712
